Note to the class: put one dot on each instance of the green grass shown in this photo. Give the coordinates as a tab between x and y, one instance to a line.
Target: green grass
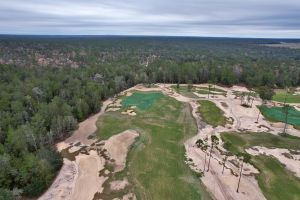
277	114
280	97
211	114
141	100
212	89
276	182
155	165
183	90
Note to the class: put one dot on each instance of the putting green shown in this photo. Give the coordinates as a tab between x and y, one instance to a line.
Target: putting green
278	114
142	100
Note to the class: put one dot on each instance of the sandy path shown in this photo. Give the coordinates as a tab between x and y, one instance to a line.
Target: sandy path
87	127
88	182
72	172
64	183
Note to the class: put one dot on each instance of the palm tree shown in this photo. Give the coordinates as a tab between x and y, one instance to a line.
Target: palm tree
214	142
244	157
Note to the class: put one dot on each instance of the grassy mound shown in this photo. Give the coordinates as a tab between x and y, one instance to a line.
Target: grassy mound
183	90
155	165
211	114
277	114
275	181
142	100
290	98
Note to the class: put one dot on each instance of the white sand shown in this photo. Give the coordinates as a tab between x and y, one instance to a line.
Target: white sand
88	182
117	147
119	184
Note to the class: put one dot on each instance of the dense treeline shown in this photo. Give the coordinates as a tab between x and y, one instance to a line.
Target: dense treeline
48	85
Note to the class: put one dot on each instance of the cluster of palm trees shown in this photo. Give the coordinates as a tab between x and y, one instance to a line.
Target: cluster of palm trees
203	145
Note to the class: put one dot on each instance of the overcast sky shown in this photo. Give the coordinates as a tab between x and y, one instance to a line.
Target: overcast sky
231	18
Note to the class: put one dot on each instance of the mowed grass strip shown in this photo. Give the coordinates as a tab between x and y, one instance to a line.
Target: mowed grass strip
275	180
155	166
211	114
290	98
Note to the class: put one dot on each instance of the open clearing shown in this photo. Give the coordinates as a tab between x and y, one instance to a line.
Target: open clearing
156	165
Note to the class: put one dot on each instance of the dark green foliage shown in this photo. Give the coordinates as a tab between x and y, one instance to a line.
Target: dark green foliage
265	93
6	194
48	84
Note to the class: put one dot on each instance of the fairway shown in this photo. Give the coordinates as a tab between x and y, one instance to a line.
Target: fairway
290	98
211	114
274	179
277	114
155	165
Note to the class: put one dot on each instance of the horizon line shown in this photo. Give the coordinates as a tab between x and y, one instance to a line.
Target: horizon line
128	35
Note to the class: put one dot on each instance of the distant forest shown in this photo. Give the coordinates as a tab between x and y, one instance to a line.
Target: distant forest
50	83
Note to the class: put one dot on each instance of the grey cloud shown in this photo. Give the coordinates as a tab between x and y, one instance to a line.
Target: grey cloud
249	18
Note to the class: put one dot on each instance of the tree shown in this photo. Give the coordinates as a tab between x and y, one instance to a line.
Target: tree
243	157
202	144
265	93
209	89
190	86
286	108
214	142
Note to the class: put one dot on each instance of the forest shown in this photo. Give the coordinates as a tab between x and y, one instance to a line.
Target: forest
48	84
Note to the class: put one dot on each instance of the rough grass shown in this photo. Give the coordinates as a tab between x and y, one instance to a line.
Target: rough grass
275	181
280	97
155	164
211	114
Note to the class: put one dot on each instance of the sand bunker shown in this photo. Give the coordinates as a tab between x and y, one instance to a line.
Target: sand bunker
88	182
118	185
117	147
129	196
129	112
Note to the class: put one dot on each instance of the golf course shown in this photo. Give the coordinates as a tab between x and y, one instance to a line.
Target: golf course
155	165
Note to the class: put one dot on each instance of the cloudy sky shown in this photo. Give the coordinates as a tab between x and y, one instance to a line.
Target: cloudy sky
230	18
